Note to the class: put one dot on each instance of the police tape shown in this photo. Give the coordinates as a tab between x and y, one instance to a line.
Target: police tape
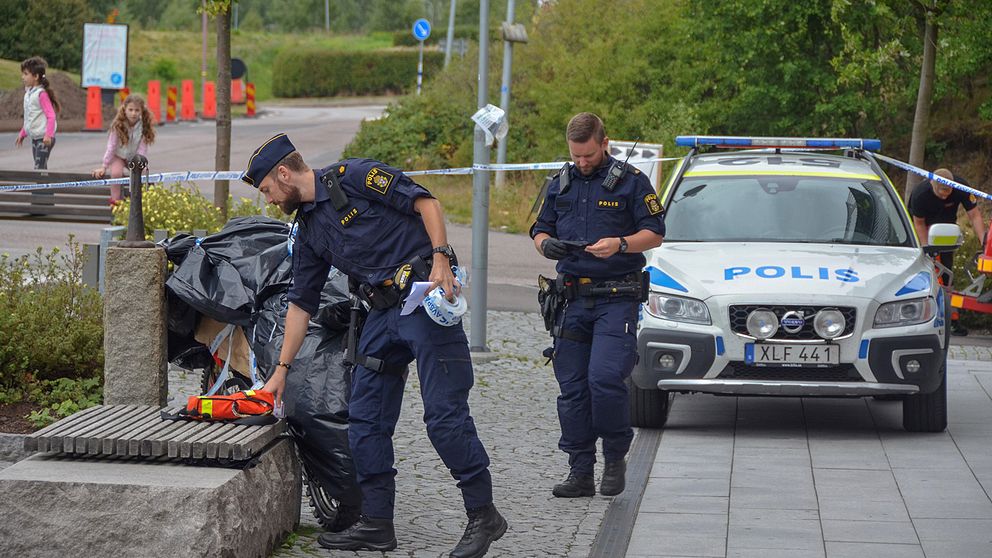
185	176
192	176
931	176
509	167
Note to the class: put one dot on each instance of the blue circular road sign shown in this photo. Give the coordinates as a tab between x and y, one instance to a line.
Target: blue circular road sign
421	29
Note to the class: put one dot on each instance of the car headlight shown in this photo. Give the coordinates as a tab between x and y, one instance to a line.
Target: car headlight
678	308
905	312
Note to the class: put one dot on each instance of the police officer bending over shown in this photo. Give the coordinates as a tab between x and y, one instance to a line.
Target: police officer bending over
383	231
598	216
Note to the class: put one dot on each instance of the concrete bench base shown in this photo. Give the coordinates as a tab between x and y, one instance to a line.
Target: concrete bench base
61	506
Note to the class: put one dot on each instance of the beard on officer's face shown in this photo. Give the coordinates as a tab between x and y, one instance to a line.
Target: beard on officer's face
292	194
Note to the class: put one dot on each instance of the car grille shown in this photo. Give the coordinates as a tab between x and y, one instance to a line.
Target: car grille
739	314
741	371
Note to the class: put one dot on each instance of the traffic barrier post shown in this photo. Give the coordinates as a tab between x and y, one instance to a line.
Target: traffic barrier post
187	104
123	93
209	100
237	92
94	110
155	100
170	104
250	102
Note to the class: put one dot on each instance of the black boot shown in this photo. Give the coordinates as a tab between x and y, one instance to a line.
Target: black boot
346	517
613	478
367	534
485	526
575	486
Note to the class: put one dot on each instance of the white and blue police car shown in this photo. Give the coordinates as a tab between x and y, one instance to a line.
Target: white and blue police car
791	271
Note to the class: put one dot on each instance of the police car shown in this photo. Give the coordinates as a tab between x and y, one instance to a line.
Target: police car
787	270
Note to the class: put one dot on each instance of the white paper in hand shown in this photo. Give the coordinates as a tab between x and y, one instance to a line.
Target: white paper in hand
418	292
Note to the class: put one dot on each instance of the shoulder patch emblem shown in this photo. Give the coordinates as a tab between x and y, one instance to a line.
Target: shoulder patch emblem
341	169
379	180
654	206
972	198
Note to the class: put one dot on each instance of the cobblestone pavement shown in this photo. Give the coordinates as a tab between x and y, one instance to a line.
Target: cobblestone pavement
513	404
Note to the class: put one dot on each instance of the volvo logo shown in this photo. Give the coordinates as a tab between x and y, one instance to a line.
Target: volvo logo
793	321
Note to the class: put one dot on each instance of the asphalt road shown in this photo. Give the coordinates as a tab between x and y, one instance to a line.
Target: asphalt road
320	134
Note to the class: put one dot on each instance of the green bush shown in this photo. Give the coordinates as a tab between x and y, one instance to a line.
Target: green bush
52	324
182	208
324	73
63	397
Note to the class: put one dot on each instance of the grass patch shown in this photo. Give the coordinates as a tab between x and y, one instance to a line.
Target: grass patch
176	55
172	56
509	206
10	75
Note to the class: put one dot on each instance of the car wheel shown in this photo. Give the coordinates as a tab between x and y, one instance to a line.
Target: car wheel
927	412
649	407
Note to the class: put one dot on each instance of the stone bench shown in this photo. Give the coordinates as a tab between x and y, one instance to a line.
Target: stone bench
117	480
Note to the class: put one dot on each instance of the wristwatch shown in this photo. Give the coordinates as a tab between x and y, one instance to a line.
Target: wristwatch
445	249
623	245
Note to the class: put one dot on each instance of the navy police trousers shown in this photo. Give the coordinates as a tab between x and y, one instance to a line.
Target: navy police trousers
594	401
444	367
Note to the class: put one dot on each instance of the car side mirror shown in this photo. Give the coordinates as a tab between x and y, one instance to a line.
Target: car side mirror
943	237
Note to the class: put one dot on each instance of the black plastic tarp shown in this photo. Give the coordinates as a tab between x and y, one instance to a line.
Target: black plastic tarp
241	275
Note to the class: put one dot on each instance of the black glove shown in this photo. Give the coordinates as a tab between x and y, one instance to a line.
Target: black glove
553	249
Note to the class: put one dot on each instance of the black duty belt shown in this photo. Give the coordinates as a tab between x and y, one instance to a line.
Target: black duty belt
389	293
634	285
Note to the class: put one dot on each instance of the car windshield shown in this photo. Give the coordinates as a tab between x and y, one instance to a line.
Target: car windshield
785	209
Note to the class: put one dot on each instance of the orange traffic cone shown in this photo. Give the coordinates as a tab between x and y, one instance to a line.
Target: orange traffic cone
155	100
209	100
94	110
237	92
187	108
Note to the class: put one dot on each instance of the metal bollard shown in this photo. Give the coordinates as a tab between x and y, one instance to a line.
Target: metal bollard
136	221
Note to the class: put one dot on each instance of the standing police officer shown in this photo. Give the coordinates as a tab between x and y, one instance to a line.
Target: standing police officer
598	216
383	230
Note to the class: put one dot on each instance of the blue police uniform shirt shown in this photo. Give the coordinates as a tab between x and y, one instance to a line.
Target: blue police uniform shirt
588	212
376	232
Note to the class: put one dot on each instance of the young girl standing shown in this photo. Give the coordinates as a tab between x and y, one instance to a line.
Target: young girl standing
40	107
131	133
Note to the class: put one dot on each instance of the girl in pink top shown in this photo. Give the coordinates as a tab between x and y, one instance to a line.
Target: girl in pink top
40	107
131	133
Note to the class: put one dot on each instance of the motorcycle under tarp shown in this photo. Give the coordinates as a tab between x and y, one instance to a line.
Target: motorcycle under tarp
241	276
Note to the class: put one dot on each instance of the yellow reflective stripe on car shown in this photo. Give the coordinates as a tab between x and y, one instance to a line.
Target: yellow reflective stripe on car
944	240
671	178
781	173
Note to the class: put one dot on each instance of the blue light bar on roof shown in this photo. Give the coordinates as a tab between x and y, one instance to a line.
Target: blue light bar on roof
800	143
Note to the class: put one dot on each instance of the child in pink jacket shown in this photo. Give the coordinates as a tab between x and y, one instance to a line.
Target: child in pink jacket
131	133
40	107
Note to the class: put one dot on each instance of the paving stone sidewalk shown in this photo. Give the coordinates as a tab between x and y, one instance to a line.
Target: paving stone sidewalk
513	404
823	478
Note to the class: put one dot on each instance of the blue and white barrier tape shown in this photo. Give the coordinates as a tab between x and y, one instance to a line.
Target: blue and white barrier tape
150	179
931	176
236	175
514	167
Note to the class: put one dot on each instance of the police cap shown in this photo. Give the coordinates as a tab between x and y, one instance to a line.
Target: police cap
265	157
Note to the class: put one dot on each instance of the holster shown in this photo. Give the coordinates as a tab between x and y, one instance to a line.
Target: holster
550	300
